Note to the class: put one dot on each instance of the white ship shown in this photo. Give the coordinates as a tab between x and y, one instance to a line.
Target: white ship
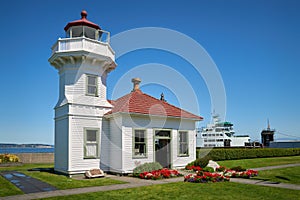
220	134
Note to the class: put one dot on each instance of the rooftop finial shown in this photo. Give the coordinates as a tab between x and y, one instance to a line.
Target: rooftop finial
268	125
162	97
83	14
136	83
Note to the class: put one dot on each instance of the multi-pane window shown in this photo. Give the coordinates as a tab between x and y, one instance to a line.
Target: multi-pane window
91	143
183	143
139	143
91	85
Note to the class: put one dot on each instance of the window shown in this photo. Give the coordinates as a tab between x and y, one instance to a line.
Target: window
139	143
183	143
92	85
91	143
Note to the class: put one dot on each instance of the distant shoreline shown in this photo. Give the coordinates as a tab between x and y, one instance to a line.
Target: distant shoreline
15	150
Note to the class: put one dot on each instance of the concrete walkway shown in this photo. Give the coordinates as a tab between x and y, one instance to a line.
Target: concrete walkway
276	167
26	183
135	182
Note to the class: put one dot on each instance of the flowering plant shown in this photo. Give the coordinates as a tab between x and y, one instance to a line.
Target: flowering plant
243	174
221	174
159	174
204	177
194	168
5	158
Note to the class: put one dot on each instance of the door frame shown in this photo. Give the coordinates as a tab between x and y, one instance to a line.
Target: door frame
160	137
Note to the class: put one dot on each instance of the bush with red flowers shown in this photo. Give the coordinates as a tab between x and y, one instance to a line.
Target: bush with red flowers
221	174
159	174
205	177
194	168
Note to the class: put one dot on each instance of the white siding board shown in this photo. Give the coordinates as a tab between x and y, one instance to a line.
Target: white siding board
116	145
105	146
77	161
129	162
61	151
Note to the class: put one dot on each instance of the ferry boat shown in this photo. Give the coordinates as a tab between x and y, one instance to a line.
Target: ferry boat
220	134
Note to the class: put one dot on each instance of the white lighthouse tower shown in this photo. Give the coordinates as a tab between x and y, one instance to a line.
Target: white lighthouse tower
83	60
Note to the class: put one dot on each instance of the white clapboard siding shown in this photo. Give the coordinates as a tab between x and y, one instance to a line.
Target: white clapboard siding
77	161
73	87
61	145
115	144
182	161
129	162
150	124
105	146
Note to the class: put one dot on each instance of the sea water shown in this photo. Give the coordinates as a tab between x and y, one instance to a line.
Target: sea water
14	150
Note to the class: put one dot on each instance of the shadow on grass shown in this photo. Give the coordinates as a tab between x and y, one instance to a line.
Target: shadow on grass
284	178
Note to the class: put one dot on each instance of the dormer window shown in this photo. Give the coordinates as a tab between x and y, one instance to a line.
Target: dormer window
91	85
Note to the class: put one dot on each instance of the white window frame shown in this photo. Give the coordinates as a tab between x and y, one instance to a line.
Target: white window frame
134	143
180	143
85	155
91	85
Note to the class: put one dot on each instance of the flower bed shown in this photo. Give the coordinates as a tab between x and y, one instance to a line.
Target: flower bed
221	174
205	177
243	174
194	168
159	174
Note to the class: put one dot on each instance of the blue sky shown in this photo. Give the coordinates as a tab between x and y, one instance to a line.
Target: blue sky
255	45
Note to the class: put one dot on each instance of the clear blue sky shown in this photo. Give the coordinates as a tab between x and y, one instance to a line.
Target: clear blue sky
255	44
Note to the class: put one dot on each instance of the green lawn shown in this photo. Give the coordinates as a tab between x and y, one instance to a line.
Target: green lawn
260	162
284	175
63	182
58	181
7	188
181	190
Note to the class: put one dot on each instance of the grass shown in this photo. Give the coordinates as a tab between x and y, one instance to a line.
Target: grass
7	188
285	175
63	182
175	190
183	190
260	162
58	181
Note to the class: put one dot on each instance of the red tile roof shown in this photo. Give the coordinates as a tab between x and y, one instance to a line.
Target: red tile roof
141	103
82	22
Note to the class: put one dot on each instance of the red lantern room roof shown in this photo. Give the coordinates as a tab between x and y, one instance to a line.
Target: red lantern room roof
82	22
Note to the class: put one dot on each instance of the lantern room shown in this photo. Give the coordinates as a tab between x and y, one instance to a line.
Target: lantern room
86	28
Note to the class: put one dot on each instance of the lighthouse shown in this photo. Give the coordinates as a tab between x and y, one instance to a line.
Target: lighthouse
83	60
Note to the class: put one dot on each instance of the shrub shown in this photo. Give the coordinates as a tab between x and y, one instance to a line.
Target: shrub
208	169
221	169
239	153
201	162
6	158
146	167
238	169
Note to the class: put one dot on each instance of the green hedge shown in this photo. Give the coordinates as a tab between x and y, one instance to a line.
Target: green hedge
146	167
236	153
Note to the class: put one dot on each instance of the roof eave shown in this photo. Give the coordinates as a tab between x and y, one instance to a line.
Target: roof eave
164	116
